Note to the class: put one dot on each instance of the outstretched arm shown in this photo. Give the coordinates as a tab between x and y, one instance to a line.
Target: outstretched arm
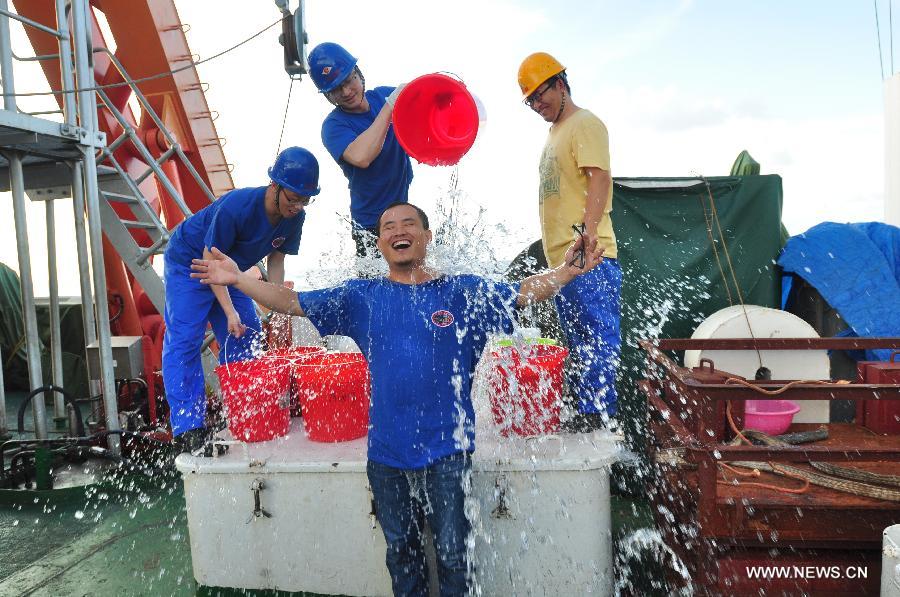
540	287
235	327
220	269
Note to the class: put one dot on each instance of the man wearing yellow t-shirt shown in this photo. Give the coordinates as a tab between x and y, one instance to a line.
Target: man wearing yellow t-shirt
575	203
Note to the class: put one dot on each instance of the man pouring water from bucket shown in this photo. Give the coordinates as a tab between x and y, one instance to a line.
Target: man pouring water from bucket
252	223
575	199
422	333
359	136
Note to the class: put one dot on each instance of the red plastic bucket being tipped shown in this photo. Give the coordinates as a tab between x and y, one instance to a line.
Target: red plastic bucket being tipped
526	388
334	391
436	119
255	395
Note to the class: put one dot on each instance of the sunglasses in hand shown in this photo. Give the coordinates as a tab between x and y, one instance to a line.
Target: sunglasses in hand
578	259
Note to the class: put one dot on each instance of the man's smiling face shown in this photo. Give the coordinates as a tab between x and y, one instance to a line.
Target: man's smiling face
402	237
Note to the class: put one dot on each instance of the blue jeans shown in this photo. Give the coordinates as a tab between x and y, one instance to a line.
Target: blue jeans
403	500
588	308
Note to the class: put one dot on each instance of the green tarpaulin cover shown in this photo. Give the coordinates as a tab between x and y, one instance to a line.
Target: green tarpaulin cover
12	329
668	243
675	264
744	165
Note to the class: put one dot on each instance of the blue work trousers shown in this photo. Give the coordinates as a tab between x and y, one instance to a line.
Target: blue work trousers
190	306
588	308
403	500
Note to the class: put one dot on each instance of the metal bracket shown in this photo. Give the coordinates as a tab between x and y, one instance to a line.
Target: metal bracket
258	512
501	486
373	518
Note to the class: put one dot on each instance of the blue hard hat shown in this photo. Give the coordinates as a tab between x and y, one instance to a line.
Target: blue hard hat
329	65
297	170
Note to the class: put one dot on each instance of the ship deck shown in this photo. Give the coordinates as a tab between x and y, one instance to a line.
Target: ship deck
130	537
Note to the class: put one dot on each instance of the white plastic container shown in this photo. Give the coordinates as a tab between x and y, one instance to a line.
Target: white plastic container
544	525
890	562
732	322
313	531
542	521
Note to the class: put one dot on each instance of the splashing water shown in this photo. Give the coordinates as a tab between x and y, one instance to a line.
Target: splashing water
464	244
644	544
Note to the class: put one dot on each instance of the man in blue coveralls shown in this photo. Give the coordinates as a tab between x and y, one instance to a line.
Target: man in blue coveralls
252	223
422	334
359	136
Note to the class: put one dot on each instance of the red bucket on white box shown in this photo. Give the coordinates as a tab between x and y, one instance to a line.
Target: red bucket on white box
293	357
334	390
256	397
525	388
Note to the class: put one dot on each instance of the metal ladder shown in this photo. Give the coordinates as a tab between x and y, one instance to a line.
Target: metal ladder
123	189
98	182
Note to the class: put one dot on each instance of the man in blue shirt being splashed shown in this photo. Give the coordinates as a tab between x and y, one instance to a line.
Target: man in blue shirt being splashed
422	333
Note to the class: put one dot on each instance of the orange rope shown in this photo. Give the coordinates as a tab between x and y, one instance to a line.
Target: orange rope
786	387
735	482
733	426
792	476
755	472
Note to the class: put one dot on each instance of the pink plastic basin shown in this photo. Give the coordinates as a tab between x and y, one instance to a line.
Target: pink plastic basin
769	416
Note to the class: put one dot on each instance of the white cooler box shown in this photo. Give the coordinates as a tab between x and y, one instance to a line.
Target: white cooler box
295	515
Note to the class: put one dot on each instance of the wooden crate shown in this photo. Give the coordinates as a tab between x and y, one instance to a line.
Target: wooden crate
718	528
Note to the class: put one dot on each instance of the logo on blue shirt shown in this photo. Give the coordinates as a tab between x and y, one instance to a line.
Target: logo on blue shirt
277	242
442	318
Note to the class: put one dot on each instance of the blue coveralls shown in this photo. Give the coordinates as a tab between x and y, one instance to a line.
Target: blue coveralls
237	225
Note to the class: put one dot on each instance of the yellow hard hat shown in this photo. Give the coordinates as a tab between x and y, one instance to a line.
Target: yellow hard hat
536	69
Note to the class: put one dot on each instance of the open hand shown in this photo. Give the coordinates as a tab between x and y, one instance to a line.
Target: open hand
221	269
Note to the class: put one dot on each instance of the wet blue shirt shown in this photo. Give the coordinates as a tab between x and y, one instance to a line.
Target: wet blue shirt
236	224
422	343
387	178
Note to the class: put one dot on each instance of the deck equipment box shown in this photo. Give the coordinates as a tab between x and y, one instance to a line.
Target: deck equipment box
295	515
881	416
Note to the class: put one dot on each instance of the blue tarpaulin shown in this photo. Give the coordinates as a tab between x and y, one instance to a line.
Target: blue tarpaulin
856	269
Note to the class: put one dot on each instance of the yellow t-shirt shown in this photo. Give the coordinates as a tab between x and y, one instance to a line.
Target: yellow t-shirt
580	141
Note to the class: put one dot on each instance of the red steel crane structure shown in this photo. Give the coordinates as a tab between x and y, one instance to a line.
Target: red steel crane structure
157	156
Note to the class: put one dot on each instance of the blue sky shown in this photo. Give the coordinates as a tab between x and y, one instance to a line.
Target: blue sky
683	86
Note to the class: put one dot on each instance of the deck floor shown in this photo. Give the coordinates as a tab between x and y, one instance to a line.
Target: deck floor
126	541
130	538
